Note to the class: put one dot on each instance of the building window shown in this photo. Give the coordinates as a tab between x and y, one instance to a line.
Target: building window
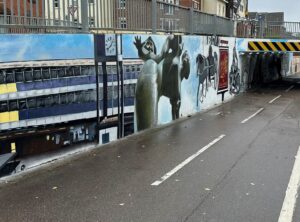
122	23
241	8
92	22
177	3
169	24
56	3
122	4
161	6
169	10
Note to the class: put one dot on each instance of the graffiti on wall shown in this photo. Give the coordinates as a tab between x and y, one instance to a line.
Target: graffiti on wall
161	75
295	64
50	80
181	75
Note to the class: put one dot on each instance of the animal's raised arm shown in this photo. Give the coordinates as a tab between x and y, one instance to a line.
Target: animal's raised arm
185	68
165	49
139	46
144	52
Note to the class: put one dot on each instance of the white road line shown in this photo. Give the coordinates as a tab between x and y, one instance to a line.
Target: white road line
188	160
253	115
273	100
289	203
290	88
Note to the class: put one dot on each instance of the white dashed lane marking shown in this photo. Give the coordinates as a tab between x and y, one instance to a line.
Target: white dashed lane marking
289	203
187	161
273	100
253	115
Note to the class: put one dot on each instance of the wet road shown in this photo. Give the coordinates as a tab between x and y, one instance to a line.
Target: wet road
233	163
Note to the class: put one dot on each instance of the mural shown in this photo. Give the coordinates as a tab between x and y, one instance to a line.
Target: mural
50	80
181	75
207	70
161	75
46	82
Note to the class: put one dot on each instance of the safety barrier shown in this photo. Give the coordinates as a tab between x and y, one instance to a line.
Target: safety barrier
44	16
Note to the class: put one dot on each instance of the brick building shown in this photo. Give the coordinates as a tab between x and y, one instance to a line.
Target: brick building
16	8
196	4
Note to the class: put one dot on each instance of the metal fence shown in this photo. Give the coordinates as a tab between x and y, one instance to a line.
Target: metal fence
41	16
262	29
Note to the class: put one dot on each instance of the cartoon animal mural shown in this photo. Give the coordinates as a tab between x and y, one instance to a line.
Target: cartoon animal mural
234	75
179	75
161	75
206	71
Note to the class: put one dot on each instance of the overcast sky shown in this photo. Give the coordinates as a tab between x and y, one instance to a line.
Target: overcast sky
291	8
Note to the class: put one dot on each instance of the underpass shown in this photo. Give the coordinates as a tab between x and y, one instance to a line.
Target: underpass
231	163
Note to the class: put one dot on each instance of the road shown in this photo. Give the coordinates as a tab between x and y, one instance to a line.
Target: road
233	163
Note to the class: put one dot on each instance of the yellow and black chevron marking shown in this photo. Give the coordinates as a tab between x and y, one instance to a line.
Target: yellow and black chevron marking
274	46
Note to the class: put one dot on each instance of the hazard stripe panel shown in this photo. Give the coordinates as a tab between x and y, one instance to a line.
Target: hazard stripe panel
274	46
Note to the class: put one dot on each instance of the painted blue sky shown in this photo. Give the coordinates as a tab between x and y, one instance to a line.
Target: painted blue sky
129	49
31	47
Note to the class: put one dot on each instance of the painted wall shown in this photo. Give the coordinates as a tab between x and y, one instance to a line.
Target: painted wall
181	75
49	81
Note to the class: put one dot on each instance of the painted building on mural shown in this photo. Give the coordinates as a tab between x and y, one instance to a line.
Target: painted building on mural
50	95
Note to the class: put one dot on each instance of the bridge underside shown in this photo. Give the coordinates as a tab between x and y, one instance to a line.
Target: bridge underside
273	46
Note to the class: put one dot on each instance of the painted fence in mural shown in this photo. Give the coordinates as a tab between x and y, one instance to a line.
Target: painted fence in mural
49	82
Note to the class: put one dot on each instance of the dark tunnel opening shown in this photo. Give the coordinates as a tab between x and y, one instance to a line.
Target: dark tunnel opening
260	69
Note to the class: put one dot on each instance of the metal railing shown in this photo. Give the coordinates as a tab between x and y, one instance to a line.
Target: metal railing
262	29
42	16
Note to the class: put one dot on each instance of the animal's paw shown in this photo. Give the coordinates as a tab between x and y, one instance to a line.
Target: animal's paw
186	57
185	65
138	42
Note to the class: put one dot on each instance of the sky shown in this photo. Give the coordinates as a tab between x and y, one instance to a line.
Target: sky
291	8
32	47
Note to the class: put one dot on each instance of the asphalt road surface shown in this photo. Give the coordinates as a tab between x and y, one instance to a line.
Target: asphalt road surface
235	163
